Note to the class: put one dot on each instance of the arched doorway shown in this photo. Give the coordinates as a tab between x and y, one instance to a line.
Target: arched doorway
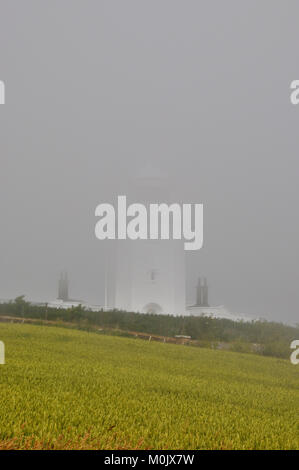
152	308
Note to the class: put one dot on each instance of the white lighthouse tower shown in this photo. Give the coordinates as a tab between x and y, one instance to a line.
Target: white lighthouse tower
148	275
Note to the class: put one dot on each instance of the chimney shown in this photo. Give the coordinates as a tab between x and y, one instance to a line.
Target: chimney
205	294
63	287
198	293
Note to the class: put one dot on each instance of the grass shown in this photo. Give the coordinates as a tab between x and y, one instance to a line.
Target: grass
63	388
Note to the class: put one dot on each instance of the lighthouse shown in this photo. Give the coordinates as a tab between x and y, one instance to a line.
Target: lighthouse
148	276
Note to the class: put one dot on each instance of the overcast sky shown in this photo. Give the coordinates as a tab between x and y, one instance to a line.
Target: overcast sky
200	89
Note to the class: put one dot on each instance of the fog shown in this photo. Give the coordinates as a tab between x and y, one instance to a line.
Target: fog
97	90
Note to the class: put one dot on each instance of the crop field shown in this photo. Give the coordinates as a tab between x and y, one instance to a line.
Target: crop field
64	388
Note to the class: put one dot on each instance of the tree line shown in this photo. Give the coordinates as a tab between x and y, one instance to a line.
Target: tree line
275	337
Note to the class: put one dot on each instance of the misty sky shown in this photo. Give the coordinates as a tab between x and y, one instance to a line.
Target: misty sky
200	89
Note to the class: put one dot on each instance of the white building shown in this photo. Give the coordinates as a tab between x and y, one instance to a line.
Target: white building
202	307
217	312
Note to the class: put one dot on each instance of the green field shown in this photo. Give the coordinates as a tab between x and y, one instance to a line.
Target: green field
63	388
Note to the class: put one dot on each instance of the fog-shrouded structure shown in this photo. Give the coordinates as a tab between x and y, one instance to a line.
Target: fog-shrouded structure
63	287
147	275
202	293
